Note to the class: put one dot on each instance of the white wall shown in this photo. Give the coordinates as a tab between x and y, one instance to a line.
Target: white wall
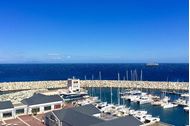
5	111
41	106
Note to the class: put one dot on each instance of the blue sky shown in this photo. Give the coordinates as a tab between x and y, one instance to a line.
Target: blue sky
62	31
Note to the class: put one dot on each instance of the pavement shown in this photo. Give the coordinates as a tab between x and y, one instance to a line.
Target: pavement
25	120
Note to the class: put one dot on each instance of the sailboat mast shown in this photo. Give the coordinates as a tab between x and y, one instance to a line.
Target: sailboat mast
141	74
141	79
111	94
123	91
127	75
92	87
100	85
118	90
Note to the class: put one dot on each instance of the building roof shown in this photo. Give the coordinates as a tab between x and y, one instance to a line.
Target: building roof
41	99
75	118
122	121
6	105
20	104
80	116
88	109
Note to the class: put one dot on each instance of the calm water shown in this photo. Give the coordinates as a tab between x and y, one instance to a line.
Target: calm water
30	72
175	116
171	72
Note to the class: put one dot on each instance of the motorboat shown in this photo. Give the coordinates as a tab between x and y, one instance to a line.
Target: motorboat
107	108
186	109
150	119
181	102
155	103
185	95
169	105
144	100
101	105
141	112
134	98
141	118
165	99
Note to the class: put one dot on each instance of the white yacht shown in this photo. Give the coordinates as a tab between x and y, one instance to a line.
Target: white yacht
182	102
166	104
151	119
155	103
101	105
134	98
185	95
144	100
186	109
169	105
140	112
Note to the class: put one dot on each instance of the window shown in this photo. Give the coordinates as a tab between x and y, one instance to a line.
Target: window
19	111
47	108
7	114
57	106
35	110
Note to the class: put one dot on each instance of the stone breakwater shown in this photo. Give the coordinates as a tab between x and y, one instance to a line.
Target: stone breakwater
36	85
137	84
16	97
31	85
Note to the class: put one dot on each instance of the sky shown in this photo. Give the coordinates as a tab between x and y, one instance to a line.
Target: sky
94	31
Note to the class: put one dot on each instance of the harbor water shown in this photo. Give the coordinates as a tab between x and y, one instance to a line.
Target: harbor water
175	116
164	72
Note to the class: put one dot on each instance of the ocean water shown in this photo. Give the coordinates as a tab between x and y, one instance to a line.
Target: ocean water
175	116
35	72
171	72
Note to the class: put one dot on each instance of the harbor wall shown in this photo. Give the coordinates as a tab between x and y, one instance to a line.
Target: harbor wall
138	84
35	85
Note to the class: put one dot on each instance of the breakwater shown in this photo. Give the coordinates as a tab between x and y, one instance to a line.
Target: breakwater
138	84
35	85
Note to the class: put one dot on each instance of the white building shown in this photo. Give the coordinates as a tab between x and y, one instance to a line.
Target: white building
6	110
36	104
10	111
40	103
73	85
20	109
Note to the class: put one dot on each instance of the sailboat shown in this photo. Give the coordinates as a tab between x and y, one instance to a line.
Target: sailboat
165	102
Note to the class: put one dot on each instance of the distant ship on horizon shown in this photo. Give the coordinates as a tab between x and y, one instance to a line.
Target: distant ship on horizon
152	64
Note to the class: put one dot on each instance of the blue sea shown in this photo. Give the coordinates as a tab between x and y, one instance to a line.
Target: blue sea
164	72
35	72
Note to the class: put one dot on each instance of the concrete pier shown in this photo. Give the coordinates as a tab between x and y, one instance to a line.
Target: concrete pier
35	85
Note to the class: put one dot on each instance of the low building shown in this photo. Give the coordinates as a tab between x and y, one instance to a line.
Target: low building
71	117
40	103
20	109
85	116
6	110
